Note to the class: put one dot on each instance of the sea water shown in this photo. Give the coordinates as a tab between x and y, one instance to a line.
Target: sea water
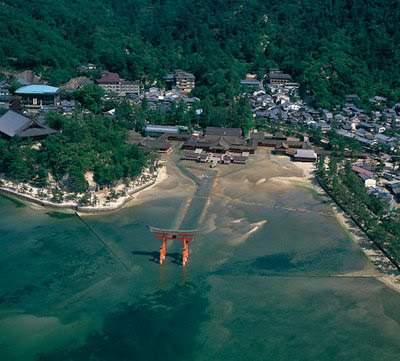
267	279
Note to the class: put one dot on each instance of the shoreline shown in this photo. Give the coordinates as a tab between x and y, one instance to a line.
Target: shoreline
387	273
116	205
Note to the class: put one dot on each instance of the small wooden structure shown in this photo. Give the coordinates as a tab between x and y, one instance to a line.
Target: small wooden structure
165	235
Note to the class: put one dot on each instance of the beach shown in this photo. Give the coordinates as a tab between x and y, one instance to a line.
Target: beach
387	272
281	173
271	266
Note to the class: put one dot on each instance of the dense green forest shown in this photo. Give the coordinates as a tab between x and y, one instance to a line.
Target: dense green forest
334	47
92	144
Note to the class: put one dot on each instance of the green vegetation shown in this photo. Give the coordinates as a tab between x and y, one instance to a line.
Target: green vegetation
91	97
369	212
86	144
238	114
333	47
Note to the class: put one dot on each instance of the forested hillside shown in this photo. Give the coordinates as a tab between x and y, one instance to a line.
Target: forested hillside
333	46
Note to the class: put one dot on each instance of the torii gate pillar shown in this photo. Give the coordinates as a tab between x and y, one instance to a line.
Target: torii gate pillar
163	250
165	235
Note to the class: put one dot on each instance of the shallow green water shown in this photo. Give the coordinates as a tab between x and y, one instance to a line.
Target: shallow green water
273	295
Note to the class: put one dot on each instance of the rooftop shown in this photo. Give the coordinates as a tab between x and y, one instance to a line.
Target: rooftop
280	76
236	132
306	153
161	128
109	78
13	123
37	89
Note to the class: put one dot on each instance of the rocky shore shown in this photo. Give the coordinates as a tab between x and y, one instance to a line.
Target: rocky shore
107	201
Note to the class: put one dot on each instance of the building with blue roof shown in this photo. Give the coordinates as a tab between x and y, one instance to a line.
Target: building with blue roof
37	97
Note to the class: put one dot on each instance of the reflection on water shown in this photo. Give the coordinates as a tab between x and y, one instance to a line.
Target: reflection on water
264	282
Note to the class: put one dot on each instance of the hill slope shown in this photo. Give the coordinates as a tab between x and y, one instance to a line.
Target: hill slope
335	47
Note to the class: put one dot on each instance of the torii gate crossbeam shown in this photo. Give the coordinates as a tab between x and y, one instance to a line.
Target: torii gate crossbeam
165	235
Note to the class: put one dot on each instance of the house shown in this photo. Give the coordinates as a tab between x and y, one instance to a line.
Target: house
385	197
109	82
281	148
161	145
129	88
279	78
251	81
4	86
232	132
344	133
15	124
390	115
347	126
339	118
38	97
84	69
369	182
394	187
152	130
269	140
5	96
378	100
112	83
67	107
381	139
221	140
305	155
366	142
325	127
240	159
307	117
180	80
159	99
367	126
366	175
193	156
276	77
327	116
352	98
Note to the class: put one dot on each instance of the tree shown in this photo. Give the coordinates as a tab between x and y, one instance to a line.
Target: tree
91	97
58	195
321	166
41	178
17	169
55	120
77	181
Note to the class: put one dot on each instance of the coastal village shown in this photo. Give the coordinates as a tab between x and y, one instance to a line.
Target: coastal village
276	104
285	124
199	181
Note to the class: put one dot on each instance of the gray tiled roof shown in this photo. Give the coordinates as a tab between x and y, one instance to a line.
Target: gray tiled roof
12	122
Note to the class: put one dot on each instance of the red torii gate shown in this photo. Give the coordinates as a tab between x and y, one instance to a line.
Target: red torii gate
174	235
